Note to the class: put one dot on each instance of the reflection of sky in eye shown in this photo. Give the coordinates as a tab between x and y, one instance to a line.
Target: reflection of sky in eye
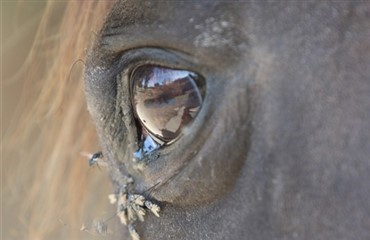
163	76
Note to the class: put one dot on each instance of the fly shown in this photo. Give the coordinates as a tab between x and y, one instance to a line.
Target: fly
95	159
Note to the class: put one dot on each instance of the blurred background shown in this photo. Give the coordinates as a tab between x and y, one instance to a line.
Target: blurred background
19	24
48	189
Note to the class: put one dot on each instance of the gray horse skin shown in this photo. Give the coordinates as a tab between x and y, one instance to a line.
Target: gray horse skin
281	146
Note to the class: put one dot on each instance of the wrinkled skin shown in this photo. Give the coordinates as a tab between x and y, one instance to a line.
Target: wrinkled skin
281	146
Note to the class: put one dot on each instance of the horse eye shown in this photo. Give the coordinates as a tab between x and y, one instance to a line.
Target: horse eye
165	100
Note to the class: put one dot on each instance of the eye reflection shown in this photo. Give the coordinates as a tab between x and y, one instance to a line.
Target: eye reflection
166	100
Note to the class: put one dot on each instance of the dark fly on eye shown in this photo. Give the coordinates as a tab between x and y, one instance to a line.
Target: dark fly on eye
95	159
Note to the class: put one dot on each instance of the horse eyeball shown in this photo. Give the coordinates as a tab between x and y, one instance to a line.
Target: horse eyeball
166	100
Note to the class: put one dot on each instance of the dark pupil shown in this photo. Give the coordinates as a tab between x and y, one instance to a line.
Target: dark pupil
165	100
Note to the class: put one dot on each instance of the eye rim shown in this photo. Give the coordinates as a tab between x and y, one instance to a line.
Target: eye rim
118	75
200	83
113	74
165	166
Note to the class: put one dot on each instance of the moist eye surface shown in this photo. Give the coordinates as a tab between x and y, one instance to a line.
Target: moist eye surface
165	100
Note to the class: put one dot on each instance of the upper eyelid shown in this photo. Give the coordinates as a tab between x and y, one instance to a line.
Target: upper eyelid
102	71
102	67
158	56
148	31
